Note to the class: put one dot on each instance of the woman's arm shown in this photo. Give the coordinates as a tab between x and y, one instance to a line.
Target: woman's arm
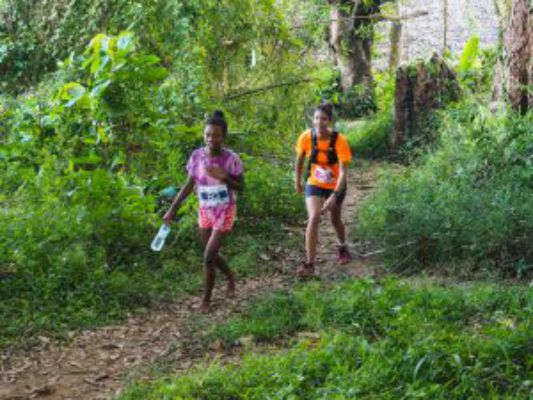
300	159
182	195
341	185
341	182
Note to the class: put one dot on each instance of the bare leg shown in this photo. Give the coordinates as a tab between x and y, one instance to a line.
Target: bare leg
336	221
222	265
209	272
314	207
212	240
343	255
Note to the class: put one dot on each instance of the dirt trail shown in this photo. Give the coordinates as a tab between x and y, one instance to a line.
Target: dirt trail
95	363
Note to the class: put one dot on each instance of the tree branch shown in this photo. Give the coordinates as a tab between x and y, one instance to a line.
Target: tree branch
376	17
250	92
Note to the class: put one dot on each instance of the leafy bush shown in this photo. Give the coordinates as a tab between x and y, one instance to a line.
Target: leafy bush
357	102
34	36
75	249
269	195
371	138
467	202
86	152
475	67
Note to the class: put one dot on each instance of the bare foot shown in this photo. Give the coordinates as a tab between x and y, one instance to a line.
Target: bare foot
205	307
305	271
231	277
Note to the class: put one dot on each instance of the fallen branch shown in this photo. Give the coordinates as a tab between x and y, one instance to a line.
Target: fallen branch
374	253
266	88
376	17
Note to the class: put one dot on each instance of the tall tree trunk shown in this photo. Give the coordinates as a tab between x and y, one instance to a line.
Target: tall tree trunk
350	39
395	37
518	44
420	90
351	49
444	26
503	10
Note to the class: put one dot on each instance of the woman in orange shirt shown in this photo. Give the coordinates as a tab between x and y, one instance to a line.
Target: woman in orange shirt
325	188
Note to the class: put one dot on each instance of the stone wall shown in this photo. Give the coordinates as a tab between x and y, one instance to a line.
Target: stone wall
421	36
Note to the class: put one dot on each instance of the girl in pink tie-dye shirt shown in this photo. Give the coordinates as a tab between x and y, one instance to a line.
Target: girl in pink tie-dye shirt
217	173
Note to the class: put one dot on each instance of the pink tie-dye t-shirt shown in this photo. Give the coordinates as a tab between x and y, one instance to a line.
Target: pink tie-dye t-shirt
227	160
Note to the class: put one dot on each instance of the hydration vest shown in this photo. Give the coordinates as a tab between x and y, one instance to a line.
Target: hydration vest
330	152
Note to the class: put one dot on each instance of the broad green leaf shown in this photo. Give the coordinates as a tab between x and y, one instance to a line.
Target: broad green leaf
125	40
470	53
98	89
153	74
90	158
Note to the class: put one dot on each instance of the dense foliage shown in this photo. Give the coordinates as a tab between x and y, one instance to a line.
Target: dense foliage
87	151
466	203
462	202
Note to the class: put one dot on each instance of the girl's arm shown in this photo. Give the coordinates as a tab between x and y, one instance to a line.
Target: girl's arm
182	195
300	159
234	182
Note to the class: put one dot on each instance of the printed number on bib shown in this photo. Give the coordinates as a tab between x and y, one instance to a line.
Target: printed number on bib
323	175
211	196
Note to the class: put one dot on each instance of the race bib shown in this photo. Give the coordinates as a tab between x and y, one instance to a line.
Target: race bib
323	175
211	196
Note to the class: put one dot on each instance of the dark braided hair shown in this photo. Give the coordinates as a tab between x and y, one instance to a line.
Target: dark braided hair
218	119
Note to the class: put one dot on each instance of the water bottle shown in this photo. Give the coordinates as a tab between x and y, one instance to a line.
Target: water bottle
159	240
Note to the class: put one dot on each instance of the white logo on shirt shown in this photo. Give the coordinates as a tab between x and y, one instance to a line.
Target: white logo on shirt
323	175
215	195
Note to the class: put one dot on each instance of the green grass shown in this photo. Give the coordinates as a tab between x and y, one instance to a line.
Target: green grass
387	340
369	138
162	278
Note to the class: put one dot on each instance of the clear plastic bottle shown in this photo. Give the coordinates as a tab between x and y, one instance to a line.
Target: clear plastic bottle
159	240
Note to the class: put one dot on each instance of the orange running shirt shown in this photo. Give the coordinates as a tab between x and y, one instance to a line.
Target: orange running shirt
323	175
